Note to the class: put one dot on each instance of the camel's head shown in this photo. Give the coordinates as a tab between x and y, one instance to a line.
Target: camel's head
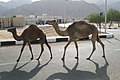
12	30
53	22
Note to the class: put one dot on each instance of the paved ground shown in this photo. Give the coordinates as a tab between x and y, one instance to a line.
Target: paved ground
55	69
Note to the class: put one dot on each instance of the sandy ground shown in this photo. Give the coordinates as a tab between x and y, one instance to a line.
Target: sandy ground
48	30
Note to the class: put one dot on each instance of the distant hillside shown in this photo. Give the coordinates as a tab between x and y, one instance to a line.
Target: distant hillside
15	3
2	10
114	4
73	9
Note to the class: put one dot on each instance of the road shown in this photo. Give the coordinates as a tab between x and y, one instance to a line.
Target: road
45	69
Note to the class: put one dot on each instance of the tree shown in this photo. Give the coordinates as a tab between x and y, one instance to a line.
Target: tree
96	18
113	15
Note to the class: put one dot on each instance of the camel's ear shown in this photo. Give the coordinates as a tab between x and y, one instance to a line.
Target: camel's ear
11	28
14	28
54	20
47	22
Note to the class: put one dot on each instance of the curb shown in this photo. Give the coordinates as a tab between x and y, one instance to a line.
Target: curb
10	42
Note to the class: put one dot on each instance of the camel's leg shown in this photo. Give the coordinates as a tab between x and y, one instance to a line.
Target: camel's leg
24	43
102	46
48	48
30	50
42	49
65	49
94	48
76	49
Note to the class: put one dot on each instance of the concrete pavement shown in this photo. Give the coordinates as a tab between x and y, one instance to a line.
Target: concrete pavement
55	69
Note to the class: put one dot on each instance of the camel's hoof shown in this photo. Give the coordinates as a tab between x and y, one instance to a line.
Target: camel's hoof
63	59
103	56
37	59
32	58
87	58
76	57
18	60
51	57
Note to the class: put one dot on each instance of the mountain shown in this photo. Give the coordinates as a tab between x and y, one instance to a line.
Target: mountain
15	3
99	2
114	4
71	9
2	10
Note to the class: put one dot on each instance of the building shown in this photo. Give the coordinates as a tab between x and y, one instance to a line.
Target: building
32	19
18	22
44	18
12	22
5	22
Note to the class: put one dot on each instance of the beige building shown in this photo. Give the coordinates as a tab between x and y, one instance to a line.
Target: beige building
16	22
19	22
4	22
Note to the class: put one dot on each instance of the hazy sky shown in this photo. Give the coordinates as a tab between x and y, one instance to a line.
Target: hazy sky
9	0
90	1
38	0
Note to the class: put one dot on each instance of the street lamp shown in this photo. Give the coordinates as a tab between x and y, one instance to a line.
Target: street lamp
0	22
64	12
101	13
105	15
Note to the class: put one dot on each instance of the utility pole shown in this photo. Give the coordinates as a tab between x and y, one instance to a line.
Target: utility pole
105	15
101	14
64	12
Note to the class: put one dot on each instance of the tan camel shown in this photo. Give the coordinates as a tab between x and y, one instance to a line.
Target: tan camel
28	35
78	30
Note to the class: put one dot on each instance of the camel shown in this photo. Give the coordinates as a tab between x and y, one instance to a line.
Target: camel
78	30
30	34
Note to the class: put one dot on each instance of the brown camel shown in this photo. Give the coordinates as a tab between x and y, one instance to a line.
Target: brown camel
28	35
78	30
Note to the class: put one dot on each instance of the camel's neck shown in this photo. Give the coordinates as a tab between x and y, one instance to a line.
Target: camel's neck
61	33
16	37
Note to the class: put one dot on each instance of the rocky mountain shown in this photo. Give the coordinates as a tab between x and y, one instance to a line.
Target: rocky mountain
99	2
72	9
15	3
2	9
114	4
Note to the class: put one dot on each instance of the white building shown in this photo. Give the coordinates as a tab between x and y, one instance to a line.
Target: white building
45	18
32	19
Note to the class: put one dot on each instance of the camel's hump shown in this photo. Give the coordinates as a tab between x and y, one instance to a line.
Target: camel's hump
33	25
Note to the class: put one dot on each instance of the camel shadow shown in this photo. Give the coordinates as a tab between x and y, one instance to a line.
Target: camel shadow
102	71
17	74
73	74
